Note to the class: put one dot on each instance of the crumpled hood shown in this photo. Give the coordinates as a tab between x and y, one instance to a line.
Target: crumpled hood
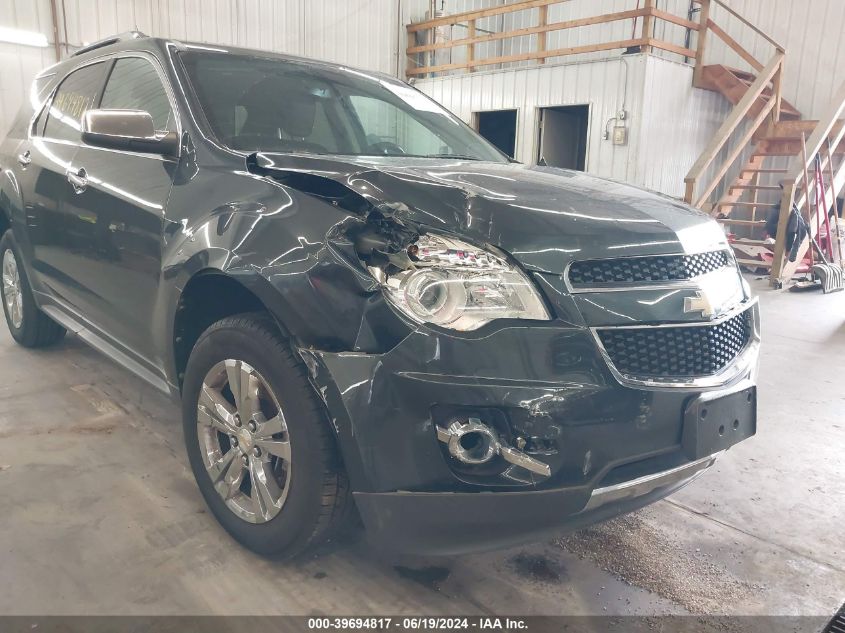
544	217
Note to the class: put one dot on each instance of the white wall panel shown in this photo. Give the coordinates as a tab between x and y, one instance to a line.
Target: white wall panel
600	84
677	123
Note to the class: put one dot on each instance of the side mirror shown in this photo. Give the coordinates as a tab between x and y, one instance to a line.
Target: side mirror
128	130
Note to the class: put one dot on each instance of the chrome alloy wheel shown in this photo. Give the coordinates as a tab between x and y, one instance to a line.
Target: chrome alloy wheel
12	294
244	441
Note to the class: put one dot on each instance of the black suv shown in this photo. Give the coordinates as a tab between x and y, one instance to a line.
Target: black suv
357	298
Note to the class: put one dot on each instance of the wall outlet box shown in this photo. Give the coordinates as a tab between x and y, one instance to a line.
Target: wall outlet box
620	135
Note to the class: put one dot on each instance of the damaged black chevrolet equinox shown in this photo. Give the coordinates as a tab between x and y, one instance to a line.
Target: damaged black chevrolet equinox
363	306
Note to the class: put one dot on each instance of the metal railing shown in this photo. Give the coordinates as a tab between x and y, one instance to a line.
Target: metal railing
823	142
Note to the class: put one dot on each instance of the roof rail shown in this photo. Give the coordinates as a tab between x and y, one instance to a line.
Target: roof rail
114	39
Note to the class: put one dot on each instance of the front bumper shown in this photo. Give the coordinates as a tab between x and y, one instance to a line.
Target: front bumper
455	523
605	442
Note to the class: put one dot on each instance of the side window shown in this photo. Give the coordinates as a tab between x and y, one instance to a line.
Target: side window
134	84
75	95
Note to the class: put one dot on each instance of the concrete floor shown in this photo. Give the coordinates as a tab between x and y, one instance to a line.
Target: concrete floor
100	514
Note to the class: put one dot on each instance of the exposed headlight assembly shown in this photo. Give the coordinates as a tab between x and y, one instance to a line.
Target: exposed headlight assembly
459	286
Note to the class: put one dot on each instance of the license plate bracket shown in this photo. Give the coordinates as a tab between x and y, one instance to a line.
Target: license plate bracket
716	421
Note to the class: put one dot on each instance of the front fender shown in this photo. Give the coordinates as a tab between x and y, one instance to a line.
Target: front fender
290	250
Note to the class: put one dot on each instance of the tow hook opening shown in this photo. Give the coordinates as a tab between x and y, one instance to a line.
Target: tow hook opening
474	443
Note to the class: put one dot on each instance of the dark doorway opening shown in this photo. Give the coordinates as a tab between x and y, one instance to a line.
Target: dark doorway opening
563	137
498	127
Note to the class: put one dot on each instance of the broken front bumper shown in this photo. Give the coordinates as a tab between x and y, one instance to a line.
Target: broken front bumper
610	447
455	523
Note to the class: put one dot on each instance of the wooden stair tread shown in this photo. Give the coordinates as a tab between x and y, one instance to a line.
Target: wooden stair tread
741	222
786	147
745	204
792	130
756	187
745	242
754	262
733	83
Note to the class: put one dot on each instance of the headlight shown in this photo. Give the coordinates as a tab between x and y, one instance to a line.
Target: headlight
459	286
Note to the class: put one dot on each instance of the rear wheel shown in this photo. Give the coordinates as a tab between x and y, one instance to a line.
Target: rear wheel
257	439
28	325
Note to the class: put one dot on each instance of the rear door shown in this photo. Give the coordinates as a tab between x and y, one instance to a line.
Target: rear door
53	235
121	208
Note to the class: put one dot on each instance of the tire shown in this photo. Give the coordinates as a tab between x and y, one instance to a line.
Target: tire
310	484
28	325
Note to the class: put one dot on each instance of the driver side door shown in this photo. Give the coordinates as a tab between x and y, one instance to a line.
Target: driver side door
121	202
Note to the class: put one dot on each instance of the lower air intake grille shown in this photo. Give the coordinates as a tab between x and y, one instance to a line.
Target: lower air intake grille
677	352
651	269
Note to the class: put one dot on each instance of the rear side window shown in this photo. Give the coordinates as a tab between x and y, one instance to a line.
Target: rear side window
134	84
76	94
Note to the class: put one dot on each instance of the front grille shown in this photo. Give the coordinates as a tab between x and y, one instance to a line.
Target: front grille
651	269
677	352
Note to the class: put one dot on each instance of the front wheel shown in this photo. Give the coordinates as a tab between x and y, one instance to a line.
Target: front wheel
28	325
258	442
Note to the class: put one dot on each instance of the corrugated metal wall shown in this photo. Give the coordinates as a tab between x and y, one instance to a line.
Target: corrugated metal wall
365	33
675	126
604	85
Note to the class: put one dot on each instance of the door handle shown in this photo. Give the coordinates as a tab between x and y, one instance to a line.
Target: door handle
78	180
25	159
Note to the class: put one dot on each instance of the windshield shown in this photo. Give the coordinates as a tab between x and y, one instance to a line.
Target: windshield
261	104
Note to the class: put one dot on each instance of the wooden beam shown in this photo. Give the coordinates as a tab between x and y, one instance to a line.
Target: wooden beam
674	19
736	46
734	154
505	59
689	191
777	91
755	195
731	123
648	25
457	18
470	47
542	22
751	26
704	18
672	48
541	29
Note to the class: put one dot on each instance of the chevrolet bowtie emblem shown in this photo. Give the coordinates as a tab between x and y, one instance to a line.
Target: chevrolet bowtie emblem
699	303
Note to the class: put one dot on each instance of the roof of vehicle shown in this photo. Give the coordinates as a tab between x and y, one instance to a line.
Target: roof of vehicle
137	41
